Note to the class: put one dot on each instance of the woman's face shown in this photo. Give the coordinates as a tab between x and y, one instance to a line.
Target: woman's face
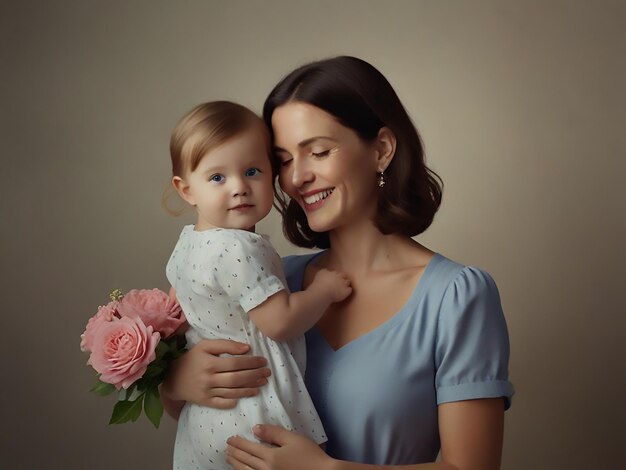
326	168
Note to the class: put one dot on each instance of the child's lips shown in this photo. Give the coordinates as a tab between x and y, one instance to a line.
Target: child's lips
241	207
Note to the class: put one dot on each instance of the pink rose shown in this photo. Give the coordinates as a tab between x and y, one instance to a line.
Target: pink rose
104	314
122	350
155	308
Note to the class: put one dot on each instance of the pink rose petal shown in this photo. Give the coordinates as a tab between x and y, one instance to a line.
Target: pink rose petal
122	350
105	314
155	308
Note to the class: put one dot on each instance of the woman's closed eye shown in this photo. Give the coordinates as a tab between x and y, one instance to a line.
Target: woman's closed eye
322	153
286	161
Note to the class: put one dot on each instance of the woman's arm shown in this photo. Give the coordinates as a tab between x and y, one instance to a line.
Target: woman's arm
471	439
201	376
471	433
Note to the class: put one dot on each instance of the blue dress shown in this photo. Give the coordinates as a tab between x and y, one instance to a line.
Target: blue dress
377	396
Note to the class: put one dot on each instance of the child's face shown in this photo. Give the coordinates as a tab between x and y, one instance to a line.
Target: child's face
232	185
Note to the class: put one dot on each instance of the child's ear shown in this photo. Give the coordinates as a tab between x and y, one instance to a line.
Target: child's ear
183	190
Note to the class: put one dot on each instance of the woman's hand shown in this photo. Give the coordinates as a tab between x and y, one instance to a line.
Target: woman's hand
202	377
293	451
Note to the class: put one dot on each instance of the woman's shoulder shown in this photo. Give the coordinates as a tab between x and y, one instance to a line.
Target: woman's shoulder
451	289
457	278
465	295
472	343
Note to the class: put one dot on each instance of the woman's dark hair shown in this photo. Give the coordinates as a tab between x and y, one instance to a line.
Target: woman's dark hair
361	98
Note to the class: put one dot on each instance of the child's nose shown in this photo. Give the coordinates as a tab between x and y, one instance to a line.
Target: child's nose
240	187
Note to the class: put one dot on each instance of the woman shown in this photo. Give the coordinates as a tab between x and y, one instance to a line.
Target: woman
416	359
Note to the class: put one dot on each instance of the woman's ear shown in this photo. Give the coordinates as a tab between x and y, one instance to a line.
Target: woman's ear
183	190
386	148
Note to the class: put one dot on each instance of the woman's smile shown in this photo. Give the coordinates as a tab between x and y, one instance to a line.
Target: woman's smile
313	200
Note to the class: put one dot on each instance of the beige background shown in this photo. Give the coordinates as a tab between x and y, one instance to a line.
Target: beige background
522	109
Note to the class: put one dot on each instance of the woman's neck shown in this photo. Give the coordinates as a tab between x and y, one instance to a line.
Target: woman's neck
361	249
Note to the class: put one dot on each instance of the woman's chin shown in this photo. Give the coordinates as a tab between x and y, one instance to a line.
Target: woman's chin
318	225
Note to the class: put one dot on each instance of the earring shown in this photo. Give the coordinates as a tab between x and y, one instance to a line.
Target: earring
381	179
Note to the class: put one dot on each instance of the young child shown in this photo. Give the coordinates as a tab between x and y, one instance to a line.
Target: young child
229	280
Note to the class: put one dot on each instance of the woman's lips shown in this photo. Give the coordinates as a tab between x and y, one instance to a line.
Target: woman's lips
313	200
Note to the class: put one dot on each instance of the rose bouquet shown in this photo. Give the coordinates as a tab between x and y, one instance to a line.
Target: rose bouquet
131	341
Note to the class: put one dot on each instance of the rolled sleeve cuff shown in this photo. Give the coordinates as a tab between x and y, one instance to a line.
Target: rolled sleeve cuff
476	390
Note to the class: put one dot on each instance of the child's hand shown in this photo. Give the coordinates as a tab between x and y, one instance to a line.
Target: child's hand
335	283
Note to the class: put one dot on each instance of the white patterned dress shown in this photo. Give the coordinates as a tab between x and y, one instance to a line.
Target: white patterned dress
220	275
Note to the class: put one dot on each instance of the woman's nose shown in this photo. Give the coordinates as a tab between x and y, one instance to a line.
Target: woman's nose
300	172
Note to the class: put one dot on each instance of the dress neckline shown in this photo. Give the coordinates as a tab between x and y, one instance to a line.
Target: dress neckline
397	317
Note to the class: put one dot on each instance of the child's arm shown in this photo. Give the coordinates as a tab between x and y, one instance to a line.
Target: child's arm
284	316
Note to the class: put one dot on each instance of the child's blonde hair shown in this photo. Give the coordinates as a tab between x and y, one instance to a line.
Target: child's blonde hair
206	127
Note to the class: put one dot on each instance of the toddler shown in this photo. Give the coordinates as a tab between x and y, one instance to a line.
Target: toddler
230	283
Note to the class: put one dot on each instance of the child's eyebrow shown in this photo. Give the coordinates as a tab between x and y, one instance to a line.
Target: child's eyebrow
221	168
212	169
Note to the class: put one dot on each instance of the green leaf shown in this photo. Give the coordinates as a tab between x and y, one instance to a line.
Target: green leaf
178	353
134	392
161	350
181	342
176	343
102	388
153	406
163	363
126	410
177	348
153	371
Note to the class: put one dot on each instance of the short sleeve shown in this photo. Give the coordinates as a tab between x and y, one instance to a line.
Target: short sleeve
472	349
249	269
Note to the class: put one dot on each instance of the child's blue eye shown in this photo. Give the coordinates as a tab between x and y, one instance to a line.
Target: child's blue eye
217	178
252	171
